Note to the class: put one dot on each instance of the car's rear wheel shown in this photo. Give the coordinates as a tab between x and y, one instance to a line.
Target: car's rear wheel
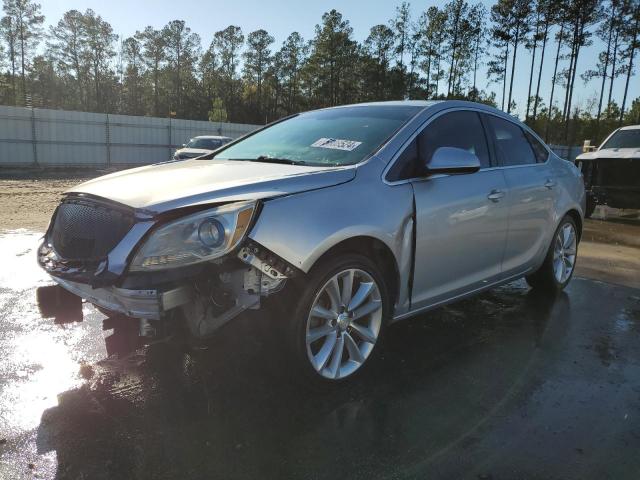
559	264
339	319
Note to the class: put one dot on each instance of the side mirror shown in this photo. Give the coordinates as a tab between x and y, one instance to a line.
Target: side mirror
184	145
453	161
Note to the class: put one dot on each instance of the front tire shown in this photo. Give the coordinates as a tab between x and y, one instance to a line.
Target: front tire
339	319
559	264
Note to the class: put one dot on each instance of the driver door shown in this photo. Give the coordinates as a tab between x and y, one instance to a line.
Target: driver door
461	220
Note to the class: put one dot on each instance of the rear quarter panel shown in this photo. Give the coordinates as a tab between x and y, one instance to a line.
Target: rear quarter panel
570	193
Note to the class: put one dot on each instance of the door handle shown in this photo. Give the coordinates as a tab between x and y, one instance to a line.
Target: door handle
549	184
495	195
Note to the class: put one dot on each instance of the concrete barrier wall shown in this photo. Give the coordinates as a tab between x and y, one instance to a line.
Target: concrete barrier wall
42	137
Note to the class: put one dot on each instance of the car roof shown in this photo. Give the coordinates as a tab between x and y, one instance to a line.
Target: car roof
631	127
212	137
427	104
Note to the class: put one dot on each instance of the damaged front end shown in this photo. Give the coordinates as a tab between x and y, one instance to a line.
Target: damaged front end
187	271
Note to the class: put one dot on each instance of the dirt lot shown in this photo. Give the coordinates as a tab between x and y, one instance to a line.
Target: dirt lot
28	201
610	250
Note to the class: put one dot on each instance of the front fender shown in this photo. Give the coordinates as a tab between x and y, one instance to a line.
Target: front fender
301	228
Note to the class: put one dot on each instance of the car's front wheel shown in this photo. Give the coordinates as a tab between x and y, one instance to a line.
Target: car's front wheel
557	269
339	319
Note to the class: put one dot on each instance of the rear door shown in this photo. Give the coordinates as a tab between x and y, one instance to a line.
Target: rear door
530	184
461	220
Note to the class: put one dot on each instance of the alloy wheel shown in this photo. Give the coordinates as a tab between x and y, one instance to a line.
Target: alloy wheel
344	323
564	252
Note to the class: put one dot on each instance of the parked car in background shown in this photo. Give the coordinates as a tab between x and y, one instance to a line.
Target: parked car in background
199	146
350	218
612	172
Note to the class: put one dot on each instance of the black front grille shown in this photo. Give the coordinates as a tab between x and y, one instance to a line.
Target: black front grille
618	172
84	230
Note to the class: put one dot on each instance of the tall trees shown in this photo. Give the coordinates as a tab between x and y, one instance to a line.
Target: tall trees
99	38
292	55
511	19
401	29
330	69
153	56
477	33
9	35
182	48
26	21
67	43
581	15
631	35
82	45
132	82
257	59
228	42
532	44
444	53
549	12
605	32
560	38
456	12
379	46
432	46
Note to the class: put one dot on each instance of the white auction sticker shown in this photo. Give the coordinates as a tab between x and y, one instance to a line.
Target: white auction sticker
336	144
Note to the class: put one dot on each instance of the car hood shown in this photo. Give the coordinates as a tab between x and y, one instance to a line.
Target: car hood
165	186
611	153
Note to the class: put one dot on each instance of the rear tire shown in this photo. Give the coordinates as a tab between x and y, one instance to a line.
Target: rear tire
338	321
559	264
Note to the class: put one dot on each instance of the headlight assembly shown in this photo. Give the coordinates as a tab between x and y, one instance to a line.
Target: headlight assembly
195	238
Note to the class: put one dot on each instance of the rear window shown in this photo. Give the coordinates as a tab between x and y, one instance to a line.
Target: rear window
338	136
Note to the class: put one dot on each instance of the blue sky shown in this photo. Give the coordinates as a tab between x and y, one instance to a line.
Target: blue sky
281	17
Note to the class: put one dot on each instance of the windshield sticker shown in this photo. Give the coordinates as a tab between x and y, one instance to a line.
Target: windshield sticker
336	144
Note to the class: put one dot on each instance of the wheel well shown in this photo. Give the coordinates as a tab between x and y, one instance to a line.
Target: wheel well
374	249
578	219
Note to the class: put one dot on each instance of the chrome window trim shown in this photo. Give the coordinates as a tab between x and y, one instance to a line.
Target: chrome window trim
437	115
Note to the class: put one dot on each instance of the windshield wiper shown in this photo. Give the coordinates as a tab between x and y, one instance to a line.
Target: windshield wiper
286	161
267	159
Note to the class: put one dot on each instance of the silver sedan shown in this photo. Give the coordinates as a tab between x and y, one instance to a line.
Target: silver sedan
348	218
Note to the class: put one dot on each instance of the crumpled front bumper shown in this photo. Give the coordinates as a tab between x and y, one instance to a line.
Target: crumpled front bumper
148	304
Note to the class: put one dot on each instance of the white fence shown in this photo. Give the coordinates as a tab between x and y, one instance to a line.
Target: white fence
567	152
41	137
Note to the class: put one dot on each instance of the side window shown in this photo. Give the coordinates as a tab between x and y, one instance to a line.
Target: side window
461	129
512	145
456	129
539	151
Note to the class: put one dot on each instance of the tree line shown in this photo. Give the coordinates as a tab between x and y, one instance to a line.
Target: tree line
79	63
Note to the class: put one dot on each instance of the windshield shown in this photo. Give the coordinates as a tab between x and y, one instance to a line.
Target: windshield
624	139
204	143
340	136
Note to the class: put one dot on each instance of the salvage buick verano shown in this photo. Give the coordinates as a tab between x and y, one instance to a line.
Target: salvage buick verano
350	218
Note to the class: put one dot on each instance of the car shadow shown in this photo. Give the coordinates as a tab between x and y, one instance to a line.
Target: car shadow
232	411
